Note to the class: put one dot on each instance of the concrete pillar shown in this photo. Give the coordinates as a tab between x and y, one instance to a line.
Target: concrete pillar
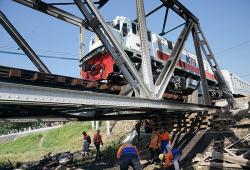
193	98
108	127
93	125
96	125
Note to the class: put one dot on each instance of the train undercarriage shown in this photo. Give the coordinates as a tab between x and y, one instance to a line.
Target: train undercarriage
98	65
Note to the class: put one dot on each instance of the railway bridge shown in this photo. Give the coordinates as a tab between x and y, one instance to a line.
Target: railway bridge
27	95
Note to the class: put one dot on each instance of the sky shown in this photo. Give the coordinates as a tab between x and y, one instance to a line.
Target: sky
225	23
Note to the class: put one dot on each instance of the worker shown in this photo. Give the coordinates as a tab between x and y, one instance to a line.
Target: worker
154	147
171	155
128	155
164	140
86	143
97	142
138	129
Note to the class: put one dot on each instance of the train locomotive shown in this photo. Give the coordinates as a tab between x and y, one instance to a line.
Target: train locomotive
98	64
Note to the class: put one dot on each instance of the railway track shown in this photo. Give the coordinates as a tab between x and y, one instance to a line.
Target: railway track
16	75
172	121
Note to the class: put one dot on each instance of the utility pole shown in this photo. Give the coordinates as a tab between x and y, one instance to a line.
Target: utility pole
96	125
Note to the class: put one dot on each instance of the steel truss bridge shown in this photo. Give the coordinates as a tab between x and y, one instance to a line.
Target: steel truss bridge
42	95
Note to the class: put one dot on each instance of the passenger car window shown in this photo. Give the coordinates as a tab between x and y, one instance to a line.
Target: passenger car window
133	28
170	45
124	29
149	36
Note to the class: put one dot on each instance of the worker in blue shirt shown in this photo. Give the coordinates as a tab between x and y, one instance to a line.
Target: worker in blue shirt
128	155
171	156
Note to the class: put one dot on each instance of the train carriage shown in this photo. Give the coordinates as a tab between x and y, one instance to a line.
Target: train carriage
99	65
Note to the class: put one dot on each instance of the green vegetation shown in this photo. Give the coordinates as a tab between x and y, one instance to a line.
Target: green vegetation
8	127
32	147
110	151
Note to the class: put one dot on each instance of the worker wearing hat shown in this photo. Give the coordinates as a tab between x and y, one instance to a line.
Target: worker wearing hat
128	155
171	155
154	147
164	140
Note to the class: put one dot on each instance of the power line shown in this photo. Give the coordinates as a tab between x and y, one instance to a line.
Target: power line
246	75
233	47
7	47
42	56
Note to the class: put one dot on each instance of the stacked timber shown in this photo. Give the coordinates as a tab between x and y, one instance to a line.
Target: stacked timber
191	121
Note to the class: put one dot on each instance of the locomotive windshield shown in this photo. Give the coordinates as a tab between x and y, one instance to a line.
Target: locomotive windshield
117	26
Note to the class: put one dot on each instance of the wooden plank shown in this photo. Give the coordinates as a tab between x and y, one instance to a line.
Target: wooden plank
38	76
60	79
76	82
115	87
233	159
104	87
248	135
219	165
230	152
15	73
92	84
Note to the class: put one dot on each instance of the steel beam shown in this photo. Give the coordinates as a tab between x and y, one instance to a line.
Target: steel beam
35	119
101	3
151	12
165	21
124	63
30	95
201	67
167	71
172	29
54	12
181	10
146	67
23	44
214	66
74	118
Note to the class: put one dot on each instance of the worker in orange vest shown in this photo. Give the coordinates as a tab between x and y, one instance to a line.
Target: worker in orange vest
97	142
154	147
171	155
164	140
128	155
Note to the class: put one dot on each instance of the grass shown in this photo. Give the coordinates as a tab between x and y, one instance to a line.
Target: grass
111	151
34	146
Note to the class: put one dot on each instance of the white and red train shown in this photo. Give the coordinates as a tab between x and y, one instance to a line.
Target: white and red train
98	64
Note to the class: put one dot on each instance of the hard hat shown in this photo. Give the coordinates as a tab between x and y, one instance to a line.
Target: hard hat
161	156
